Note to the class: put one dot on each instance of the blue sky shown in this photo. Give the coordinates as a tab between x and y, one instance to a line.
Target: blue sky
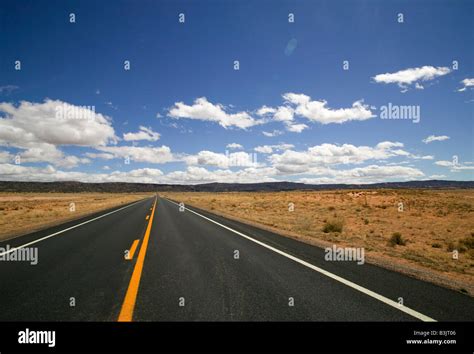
172	116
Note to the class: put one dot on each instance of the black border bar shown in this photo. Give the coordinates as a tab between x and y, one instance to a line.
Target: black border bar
208	337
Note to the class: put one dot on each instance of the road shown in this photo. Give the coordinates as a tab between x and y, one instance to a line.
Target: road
185	268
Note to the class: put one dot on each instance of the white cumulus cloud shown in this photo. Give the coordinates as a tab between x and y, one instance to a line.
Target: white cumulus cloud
204	110
407	77
210	158
155	155
295	128
272	133
264	110
367	174
317	111
268	149
291	161
432	138
466	84
144	133
39	128
234	146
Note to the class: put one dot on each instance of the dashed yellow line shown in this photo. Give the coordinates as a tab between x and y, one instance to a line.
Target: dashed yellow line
132	250
126	313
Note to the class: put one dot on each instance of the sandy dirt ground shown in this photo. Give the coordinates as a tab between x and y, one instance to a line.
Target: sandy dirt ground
428	234
22	213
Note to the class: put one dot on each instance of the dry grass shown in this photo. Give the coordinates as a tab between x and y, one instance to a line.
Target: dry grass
418	240
21	213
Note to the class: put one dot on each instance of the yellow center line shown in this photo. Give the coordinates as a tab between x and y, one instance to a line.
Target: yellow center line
132	250
126	313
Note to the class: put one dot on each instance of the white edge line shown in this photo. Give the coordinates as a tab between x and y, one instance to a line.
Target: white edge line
379	297
69	228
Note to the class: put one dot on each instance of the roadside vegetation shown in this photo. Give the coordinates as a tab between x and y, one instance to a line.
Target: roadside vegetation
416	231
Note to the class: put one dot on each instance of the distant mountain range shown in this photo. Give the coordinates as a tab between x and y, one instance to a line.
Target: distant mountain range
77	187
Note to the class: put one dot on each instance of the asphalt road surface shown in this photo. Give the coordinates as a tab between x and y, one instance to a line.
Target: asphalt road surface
154	261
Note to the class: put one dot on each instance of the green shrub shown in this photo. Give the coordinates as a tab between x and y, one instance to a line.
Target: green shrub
451	246
333	226
397	239
468	242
